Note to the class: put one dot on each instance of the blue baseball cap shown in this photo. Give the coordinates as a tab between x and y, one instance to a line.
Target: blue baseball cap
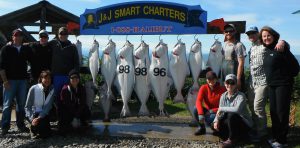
251	29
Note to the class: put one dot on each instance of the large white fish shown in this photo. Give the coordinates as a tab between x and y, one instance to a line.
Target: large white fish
191	101
90	93
94	61
79	50
142	81
195	62
108	70
109	65
159	75
125	74
179	69
215	57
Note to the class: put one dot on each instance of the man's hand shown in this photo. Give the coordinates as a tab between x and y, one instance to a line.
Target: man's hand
280	46
35	121
216	126
6	85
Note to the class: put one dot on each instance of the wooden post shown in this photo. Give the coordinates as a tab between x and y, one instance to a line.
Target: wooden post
43	18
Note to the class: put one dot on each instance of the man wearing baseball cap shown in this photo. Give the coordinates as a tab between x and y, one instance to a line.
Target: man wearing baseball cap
64	59
42	55
13	71
234	56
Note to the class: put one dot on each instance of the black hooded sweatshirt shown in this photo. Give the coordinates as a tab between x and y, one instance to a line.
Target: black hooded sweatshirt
281	67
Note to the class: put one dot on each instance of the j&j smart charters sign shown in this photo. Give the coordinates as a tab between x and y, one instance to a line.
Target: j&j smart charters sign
142	17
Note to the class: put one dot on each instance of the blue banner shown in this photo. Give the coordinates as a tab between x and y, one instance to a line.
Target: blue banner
144	18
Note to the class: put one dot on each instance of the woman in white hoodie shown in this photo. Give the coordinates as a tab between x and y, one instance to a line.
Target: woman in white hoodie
39	102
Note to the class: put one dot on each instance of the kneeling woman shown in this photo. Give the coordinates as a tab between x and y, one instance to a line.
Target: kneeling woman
39	102
73	111
233	119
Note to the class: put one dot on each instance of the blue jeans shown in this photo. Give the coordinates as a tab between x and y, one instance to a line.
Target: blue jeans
18	90
209	118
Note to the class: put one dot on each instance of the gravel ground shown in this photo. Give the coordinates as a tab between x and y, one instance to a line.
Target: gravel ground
86	140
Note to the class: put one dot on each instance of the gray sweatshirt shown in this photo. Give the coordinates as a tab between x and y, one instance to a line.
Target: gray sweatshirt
236	104
37	102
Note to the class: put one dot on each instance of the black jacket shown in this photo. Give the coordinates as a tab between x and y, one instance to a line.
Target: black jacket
15	63
64	57
281	67
41	58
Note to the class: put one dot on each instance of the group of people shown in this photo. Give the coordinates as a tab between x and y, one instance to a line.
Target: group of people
54	81
234	113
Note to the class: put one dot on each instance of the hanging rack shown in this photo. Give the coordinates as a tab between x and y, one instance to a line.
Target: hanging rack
159	38
195	37
177	37
160	41
215	37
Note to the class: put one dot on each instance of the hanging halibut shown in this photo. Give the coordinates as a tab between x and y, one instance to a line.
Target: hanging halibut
215	57
94	61
108	70
179	69
195	62
159	71
142	81
125	74
79	50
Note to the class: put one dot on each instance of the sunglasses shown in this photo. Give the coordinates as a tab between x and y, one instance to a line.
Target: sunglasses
63	33
74	77
229	31
43	36
250	33
230	82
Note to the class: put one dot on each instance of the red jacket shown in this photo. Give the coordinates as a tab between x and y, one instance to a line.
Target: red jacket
209	98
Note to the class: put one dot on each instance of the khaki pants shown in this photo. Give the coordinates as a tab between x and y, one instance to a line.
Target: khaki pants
257	97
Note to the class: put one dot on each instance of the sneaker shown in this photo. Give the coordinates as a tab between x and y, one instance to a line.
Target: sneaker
200	131
23	129
227	144
278	145
4	131
270	141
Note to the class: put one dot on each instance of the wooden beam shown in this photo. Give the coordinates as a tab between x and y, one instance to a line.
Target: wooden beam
43	19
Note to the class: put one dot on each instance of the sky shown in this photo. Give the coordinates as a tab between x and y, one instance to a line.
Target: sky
274	13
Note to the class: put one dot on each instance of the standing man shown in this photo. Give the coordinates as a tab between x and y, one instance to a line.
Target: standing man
257	92
42	56
13	71
234	56
64	59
